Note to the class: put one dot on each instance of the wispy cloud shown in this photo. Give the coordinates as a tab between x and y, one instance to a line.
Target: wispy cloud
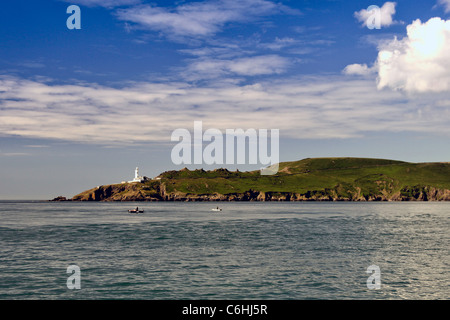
32	64
14	154
252	57
210	68
36	146
104	3
281	43
199	19
445	4
307	107
300	44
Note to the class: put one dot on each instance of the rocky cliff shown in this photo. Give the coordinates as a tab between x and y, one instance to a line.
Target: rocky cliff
138	192
320	179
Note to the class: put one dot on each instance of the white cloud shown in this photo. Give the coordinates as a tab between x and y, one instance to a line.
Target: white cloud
445	4
258	65
198	19
358	69
280	43
14	154
418	63
304	108
387	11
209	68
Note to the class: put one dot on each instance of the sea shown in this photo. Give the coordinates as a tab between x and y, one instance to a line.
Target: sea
249	250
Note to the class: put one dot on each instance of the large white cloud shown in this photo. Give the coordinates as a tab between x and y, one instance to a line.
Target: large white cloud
420	62
417	63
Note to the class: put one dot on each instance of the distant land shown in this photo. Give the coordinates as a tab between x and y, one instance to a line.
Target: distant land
317	179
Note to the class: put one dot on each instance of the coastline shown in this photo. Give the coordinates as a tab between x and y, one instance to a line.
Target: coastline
311	179
424	194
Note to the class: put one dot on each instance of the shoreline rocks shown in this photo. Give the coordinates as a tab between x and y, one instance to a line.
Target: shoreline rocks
134	193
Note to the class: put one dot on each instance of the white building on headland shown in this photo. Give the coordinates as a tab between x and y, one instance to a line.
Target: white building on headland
137	177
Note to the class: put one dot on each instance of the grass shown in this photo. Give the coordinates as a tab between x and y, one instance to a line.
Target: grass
371	175
340	177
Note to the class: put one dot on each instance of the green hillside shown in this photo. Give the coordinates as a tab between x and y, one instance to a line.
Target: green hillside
351	179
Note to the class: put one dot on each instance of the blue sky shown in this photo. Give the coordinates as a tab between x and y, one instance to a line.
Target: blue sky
80	108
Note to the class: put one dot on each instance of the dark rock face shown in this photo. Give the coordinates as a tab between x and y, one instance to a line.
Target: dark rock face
135	192
60	198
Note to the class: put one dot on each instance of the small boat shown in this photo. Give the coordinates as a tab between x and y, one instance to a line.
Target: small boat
216	209
136	211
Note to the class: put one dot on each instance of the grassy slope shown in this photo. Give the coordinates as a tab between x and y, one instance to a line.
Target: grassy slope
317	174
342	175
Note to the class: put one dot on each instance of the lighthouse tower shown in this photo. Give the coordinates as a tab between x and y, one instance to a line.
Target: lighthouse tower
136	173
137	177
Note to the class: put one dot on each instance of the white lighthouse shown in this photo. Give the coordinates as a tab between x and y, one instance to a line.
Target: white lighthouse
137	177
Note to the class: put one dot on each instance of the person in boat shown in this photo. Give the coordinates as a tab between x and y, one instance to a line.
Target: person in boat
137	209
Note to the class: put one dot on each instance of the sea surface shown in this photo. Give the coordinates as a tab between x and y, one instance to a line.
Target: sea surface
284	251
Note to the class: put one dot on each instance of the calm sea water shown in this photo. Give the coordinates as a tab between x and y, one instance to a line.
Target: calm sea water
247	251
